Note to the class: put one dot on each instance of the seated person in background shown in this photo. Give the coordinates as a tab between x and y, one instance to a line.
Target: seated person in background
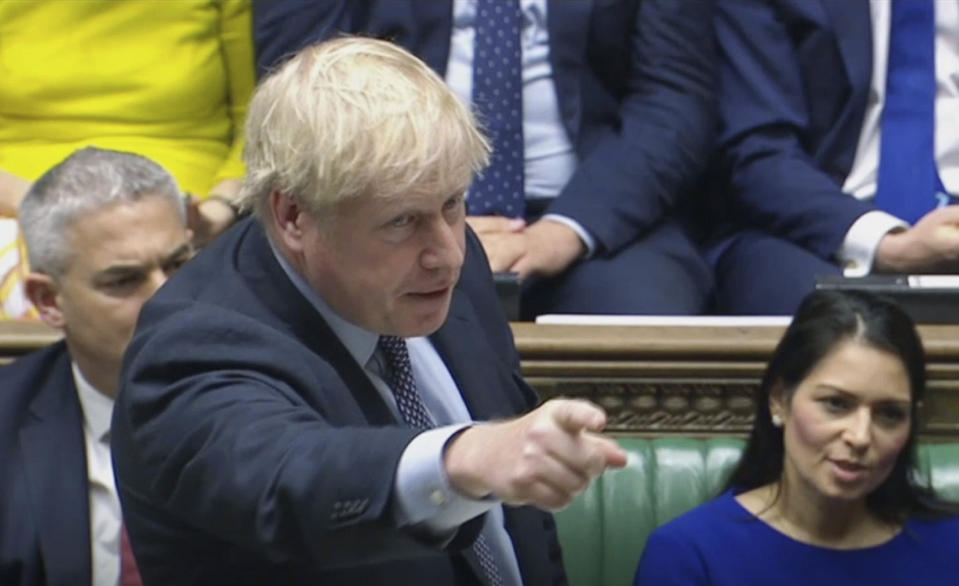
167	80
297	403
602	119
104	230
826	491
838	144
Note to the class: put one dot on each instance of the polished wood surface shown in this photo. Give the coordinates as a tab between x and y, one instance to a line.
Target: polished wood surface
655	380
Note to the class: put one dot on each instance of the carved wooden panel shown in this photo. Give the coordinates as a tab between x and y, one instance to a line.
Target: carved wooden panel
656	379
694	380
664	405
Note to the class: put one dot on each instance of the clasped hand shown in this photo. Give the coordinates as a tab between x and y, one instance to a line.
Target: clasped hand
544	248
931	246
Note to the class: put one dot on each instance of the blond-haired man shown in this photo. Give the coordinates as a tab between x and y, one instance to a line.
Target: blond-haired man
303	405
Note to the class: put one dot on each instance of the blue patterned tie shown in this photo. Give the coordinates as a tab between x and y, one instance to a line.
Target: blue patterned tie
498	97
908	181
400	378
411	408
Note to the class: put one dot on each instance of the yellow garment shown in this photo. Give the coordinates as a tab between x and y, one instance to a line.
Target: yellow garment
168	79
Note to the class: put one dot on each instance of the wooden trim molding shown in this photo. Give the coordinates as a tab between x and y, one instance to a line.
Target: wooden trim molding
694	380
655	380
22	337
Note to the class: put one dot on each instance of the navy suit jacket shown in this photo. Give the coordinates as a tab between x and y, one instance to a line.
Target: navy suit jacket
634	82
44	498
250	448
794	83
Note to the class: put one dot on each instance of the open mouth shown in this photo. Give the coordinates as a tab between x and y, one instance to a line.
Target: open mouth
847	471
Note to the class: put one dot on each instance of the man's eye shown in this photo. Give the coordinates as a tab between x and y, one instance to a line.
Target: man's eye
402	221
174	264
453	203
121	282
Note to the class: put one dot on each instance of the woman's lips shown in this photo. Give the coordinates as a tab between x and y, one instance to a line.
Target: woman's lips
848	471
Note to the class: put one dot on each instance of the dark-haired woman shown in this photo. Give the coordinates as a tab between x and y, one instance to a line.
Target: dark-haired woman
825	492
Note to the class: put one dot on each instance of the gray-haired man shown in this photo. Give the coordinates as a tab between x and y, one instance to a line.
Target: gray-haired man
104	230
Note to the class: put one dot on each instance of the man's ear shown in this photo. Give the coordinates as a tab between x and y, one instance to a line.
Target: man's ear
44	291
286	217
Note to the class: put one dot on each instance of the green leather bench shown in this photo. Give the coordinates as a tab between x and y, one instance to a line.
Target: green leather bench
604	531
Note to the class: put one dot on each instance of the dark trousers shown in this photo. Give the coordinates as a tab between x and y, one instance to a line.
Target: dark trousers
759	274
661	273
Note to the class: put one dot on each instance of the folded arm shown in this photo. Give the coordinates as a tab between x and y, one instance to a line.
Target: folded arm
640	168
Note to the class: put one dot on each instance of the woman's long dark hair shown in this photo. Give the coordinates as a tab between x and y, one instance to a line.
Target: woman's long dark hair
823	321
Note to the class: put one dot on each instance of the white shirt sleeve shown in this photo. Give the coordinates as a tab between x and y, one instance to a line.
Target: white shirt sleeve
575	226
424	496
858	251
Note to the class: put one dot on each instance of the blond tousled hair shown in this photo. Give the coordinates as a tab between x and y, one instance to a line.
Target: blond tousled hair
354	117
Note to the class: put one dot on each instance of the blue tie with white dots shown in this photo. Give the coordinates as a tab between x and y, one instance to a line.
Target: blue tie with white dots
408	402
498	98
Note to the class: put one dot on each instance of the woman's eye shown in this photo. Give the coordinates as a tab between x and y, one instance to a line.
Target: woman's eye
891	415
835	404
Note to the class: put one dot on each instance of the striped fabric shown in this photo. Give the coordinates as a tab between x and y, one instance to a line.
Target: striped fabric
13	269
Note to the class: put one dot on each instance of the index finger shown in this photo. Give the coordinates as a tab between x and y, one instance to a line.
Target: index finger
575	415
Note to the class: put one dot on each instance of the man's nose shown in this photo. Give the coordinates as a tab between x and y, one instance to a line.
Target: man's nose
443	250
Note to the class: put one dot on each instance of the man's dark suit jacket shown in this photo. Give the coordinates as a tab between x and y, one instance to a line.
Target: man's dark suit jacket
635	87
44	498
794	84
250	448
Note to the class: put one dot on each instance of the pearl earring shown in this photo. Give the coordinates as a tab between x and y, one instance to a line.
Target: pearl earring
777	420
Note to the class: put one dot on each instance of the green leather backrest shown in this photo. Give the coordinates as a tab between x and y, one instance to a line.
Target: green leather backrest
603	532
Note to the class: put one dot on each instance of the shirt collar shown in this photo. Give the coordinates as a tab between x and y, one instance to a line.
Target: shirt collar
360	343
97	407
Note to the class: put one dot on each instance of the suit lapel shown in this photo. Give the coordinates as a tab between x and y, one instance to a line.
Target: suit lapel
472	366
853	27
56	473
568	25
421	27
434	23
289	310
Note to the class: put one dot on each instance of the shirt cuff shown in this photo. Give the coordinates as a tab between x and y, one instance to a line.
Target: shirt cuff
858	250
575	226
422	492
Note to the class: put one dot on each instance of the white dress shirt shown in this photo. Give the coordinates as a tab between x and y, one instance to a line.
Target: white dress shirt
549	157
858	250
106	521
